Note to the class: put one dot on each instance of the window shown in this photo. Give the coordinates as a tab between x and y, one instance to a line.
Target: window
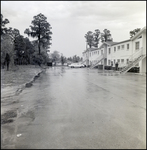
118	47
101	51
127	60
109	50
109	62
137	45
127	46
114	49
122	60
122	47
118	60
114	61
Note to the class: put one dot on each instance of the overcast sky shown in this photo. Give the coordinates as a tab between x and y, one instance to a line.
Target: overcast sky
71	20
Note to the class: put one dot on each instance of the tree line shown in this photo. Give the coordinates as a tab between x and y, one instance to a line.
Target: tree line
93	39
22	51
57	58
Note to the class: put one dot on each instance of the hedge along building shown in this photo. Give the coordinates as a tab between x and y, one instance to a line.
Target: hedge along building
128	53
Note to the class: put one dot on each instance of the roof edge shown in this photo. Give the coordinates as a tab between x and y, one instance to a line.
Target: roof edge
144	28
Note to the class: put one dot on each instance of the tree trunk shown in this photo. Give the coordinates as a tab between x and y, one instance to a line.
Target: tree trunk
39	44
12	66
39	39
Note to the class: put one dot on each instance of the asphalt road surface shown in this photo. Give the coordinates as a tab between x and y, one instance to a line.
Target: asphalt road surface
81	108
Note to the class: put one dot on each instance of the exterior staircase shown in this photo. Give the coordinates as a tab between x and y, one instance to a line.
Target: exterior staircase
134	60
84	61
98	60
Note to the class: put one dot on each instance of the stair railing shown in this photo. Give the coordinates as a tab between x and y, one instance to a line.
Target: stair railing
133	59
98	59
84	61
136	55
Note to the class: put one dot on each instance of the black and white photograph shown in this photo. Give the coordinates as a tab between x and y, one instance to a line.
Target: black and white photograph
73	74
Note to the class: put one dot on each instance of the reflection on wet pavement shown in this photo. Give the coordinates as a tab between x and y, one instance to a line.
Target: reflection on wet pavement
83	108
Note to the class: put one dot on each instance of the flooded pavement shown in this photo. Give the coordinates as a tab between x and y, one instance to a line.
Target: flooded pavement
82	108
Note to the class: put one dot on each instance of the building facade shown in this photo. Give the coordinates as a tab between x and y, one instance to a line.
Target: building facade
128	53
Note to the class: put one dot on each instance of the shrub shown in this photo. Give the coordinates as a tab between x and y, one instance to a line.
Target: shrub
107	67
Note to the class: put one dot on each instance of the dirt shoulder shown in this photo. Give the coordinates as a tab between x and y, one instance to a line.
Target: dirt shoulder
12	84
19	76
14	81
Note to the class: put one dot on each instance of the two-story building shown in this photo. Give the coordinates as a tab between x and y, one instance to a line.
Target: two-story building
128	53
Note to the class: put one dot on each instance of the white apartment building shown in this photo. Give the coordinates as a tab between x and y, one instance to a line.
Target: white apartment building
128	53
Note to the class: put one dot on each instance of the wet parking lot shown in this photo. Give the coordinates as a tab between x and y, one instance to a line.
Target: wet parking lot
82	108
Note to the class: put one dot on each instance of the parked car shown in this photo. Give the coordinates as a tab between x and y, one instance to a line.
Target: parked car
49	64
76	65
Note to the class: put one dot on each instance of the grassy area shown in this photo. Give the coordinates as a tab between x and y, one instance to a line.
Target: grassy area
21	75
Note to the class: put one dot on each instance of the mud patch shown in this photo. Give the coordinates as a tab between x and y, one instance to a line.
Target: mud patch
28	84
7	117
37	76
7	121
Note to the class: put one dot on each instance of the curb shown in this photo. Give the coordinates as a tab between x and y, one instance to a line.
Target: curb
28	84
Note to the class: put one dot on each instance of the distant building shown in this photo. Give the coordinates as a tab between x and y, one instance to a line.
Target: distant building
128	53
